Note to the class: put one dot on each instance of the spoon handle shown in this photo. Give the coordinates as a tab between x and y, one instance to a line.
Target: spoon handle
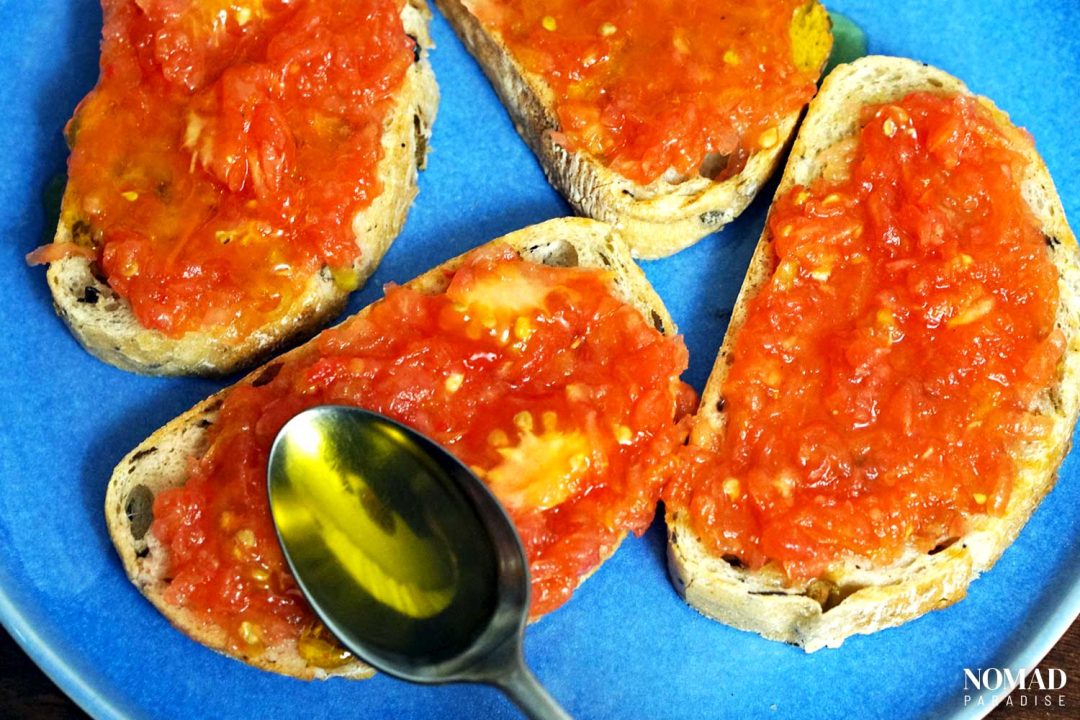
521	686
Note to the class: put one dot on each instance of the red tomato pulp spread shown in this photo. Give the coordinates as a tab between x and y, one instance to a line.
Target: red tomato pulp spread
886	370
649	85
226	148
561	397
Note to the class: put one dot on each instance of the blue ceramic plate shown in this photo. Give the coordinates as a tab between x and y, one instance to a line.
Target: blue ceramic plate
626	646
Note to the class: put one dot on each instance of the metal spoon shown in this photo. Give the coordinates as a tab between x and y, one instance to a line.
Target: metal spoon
403	553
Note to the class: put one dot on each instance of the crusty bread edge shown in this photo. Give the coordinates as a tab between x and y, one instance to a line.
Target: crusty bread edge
657	220
874	598
103	323
162	460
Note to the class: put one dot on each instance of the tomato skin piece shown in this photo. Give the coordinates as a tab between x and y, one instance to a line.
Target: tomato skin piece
573	381
226	149
884	376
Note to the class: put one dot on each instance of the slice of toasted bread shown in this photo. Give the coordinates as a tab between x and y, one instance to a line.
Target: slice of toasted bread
163	460
860	597
662	217
104	324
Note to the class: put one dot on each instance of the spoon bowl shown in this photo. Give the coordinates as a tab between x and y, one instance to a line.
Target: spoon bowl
403	552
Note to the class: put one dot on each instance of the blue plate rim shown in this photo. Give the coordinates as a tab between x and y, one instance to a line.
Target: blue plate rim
1062	613
64	661
100	702
95	701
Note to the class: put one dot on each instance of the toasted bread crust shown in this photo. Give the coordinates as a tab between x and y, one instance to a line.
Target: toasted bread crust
104	324
163	460
859	597
657	219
